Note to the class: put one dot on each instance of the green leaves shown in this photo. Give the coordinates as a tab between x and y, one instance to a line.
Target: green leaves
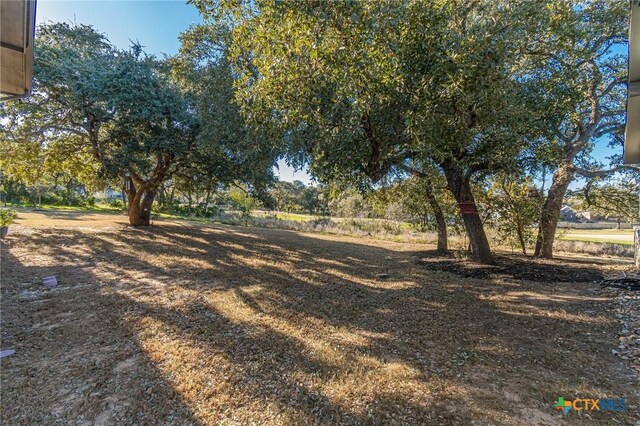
7	216
513	207
618	200
358	87
116	109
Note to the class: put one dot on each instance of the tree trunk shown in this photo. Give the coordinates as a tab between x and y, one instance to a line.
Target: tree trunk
172	195
439	217
140	201
460	187
162	196
69	191
636	246
140	208
207	199
551	210
146	205
520	232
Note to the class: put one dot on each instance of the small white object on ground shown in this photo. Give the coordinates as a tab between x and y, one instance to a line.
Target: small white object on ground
7	352
50	282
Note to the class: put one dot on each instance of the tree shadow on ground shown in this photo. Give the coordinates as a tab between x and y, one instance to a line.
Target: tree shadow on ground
257	325
517	267
76	358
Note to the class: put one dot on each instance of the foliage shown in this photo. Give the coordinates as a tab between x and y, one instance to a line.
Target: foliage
241	200
117	203
131	120
416	201
417	108
7	216
470	110
314	199
296	197
619	200
287	196
226	149
50	167
359	88
349	203
116	106
395	211
513	207
575	60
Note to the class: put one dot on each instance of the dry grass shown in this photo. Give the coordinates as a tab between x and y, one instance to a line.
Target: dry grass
187	323
594	248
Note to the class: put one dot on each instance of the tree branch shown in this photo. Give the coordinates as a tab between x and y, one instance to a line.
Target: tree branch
604	173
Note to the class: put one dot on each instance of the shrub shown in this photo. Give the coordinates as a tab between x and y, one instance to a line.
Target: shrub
203	211
88	201
241	200
117	203
7	216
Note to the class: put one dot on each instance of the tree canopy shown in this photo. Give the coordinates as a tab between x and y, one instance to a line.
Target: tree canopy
436	107
122	107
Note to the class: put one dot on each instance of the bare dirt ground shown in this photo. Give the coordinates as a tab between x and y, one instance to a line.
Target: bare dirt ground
188	323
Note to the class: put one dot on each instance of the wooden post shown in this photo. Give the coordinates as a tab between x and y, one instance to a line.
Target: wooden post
636	246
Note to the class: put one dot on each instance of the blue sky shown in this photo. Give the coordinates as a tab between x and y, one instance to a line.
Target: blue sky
155	24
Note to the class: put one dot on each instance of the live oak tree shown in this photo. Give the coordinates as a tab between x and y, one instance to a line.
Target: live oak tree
32	130
24	163
291	197
227	151
341	113
72	169
151	135
317	78
242	200
470	99
118	105
425	198
55	163
578	58
425	193
141	120
349	203
359	89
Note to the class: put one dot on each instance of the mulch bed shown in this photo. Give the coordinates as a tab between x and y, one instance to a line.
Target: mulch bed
513	266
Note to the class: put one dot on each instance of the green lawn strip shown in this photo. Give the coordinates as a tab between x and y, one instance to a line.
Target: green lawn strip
596	240
98	208
599	231
297	217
